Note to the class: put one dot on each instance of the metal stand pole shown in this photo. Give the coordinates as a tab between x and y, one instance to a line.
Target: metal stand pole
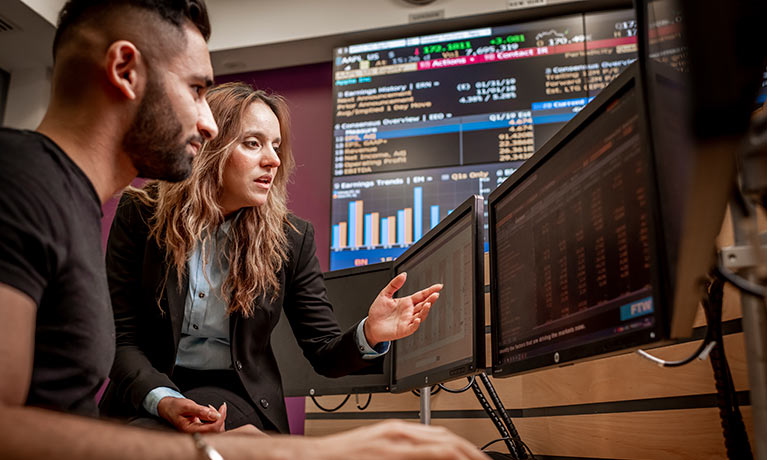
426	405
754	334
745	257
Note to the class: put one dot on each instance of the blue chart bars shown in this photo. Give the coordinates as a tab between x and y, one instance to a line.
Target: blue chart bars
418	210
370	230
376	219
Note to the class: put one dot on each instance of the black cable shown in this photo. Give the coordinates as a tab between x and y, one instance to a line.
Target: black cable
357	397
466	388
325	409
735	435
701	352
515	438
532	455
496	421
493	441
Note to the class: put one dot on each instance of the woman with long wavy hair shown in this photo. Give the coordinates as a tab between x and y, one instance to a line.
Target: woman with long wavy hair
199	271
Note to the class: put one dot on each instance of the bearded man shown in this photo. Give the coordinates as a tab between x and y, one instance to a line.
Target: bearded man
128	99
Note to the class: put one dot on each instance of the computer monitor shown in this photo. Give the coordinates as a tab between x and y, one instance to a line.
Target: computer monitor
422	121
577	265
451	342
351	292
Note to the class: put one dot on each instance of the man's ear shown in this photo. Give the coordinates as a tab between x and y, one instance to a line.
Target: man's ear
125	68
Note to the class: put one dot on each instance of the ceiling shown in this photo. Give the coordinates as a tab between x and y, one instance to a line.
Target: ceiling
253	35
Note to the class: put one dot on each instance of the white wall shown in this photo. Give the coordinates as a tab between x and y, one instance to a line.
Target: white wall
253	23
241	23
28	94
25	53
48	9
255	35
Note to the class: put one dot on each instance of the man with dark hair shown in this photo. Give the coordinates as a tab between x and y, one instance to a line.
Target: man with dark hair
128	99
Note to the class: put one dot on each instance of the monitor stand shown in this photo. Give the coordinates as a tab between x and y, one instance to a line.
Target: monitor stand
744	256
426	405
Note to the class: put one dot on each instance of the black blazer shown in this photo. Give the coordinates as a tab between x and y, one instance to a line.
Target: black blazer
148	334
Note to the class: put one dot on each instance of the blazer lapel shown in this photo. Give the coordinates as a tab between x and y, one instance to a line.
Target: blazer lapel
176	302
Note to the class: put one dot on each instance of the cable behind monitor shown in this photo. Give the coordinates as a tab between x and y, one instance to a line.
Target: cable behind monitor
515	438
735	435
496	421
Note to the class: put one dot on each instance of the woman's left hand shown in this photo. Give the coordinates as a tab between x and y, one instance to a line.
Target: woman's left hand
392	319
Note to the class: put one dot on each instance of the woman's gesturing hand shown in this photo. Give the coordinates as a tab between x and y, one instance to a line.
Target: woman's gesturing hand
190	417
392	319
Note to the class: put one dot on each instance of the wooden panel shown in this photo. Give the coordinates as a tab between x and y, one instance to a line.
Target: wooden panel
488	352
616	378
487	309
674	434
726	236
623	377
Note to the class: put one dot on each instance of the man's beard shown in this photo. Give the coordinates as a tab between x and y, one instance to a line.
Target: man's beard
154	140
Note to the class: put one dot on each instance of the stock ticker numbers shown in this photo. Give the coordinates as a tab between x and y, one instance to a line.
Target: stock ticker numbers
473	97
486	90
516	144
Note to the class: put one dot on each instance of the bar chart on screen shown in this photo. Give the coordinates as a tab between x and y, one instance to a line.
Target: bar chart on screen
376	218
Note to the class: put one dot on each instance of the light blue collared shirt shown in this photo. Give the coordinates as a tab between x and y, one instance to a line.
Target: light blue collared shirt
204	343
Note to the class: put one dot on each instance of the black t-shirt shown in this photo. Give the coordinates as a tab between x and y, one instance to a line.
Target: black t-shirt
50	249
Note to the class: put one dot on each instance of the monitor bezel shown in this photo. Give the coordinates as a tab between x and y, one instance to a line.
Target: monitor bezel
474	207
359	270
630	78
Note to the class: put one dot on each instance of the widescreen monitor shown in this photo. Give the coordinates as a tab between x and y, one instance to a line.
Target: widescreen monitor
451	342
422	122
577	258
351	292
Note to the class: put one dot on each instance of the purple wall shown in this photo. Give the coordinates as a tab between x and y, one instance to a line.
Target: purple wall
308	90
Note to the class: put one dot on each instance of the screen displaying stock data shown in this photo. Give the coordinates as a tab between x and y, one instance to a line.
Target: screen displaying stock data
571	245
450	344
421	123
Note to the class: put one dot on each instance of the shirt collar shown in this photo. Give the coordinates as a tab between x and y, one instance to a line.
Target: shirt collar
226	227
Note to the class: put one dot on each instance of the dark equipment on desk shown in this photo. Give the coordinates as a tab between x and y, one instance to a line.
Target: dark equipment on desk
351	292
